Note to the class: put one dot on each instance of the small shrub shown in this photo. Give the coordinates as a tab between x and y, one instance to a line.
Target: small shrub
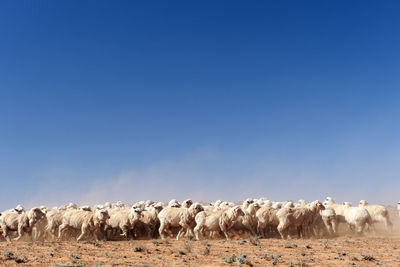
231	259
255	240
181	252
9	255
21	260
242	242
75	256
138	248
367	257
242	259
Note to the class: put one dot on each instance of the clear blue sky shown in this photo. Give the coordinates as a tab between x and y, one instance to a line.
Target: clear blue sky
108	100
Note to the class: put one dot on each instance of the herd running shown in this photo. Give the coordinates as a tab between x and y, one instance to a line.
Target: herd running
255	217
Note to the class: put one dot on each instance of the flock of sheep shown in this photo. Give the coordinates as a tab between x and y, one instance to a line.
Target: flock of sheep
256	217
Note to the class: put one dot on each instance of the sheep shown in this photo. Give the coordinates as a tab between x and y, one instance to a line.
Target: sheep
139	205
178	217
187	203
71	206
217	203
54	218
337	207
119	204
18	209
266	217
173	203
299	217
20	222
149	203
326	222
378	213
86	208
289	204
248	222
222	220
86	221
301	203
398	207
149	219
124	220
357	217
40	227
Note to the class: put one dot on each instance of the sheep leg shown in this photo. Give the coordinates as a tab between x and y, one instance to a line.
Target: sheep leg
334	227
149	231
197	229
388	224
61	230
161	230
5	233
226	235
95	233
20	233
84	230
282	229
260	230
181	232
124	230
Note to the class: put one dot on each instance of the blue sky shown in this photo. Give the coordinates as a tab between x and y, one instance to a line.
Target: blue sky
130	100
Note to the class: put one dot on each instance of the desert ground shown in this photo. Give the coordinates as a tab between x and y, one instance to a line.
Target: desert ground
371	249
341	251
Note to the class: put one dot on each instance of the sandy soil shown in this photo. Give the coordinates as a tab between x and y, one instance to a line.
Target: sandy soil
342	251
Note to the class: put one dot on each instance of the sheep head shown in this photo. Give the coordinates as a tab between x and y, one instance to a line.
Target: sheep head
187	203
237	211
363	203
346	204
34	215
135	214
102	215
174	203
195	208
317	206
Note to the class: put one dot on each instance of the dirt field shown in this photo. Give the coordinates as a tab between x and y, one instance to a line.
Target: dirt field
343	251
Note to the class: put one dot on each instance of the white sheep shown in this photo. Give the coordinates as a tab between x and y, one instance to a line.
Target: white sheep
266	217
178	217
86	221
20	222
357	217
39	229
173	203
86	208
123	219
299	217
329	202
248	222
398	207
378	213
326	221
222	220
187	203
